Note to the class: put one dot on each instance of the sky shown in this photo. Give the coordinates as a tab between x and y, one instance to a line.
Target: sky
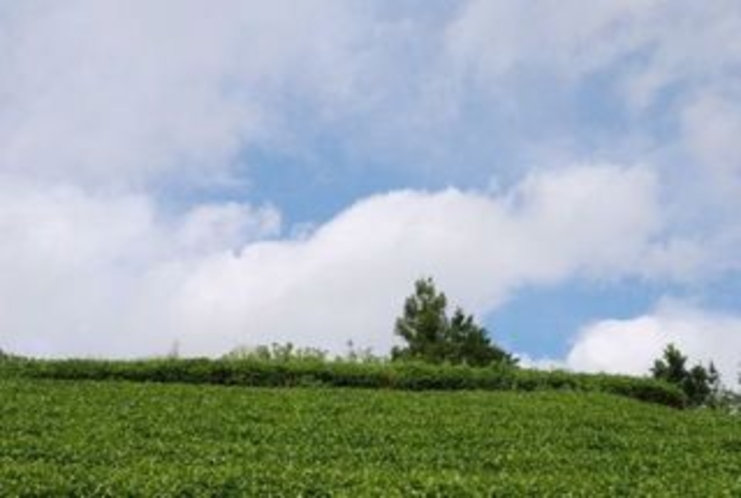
179	172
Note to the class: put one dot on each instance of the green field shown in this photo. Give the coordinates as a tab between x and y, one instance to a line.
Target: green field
82	438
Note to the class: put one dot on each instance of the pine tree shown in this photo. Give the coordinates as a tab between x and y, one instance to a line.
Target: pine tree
433	337
423	324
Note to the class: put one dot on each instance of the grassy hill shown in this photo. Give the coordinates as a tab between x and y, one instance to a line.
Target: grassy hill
114	438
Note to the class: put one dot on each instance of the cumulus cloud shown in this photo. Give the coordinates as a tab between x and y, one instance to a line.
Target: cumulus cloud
91	273
630	346
114	277
123	92
590	221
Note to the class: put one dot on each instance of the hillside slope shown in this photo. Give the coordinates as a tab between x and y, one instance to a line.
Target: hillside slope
116	438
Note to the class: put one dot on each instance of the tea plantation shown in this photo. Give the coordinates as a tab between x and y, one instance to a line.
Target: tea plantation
116	438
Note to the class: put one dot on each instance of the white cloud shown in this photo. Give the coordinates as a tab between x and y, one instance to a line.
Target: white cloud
652	80
670	42
213	227
90	273
126	91
348	280
711	127
630	346
99	275
496	39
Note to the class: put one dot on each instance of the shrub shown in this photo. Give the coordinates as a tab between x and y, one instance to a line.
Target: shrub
395	375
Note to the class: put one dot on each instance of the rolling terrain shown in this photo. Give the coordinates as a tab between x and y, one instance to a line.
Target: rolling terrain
117	438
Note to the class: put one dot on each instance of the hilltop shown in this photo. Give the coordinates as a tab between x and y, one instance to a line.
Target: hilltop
113	438
312	427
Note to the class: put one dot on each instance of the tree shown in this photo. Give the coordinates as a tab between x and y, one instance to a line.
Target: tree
423	323
470	343
671	367
700	384
433	337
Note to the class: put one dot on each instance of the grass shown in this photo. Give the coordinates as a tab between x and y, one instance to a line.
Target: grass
86	438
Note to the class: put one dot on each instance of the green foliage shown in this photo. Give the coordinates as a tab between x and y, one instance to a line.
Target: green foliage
433	337
127	439
277	352
672	367
11	365
424	324
279	372
701	385
8	357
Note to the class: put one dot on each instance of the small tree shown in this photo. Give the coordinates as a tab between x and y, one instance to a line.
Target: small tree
423	324
671	367
469	343
700	384
433	337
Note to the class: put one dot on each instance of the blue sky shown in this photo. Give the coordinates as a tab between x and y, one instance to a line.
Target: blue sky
225	176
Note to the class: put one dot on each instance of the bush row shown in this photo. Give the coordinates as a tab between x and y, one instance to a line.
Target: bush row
315	372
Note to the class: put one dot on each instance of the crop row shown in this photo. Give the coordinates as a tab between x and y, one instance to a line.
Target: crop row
388	375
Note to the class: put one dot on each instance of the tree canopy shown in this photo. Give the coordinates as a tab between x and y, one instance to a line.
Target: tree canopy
432	336
700	384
